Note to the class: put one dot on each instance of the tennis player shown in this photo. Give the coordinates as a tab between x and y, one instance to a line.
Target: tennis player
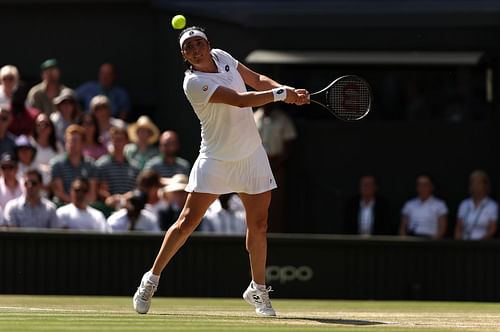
231	158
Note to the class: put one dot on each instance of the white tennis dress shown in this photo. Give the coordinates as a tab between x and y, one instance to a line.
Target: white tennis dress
231	157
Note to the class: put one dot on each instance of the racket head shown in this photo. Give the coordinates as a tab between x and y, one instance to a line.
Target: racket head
348	98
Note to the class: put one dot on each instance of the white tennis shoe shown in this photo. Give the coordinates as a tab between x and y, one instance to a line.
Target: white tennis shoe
144	293
260	300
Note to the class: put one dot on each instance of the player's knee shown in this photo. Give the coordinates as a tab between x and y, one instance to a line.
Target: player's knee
258	225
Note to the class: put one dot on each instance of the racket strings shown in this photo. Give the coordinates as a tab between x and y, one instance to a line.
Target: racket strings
349	99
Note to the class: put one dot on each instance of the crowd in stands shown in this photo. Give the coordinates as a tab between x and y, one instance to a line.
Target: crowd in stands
425	216
70	160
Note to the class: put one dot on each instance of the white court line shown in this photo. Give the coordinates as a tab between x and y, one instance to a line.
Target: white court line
64	310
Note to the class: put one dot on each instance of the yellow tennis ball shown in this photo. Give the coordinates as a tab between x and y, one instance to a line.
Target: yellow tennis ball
178	22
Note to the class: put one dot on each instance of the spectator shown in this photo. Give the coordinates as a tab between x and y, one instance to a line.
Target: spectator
100	106
167	164
25	153
226	215
143	134
149	183
426	215
78	214
66	114
30	209
367	213
41	95
92	147
46	144
9	79
10	186
134	217
116	175
118	96
72	165
278	133
23	117
175	197
7	140
477	215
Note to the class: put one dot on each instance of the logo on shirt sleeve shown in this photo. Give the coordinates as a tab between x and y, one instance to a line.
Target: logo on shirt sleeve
205	88
226	68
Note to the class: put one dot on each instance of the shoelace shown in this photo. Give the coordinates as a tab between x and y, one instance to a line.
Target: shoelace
265	296
147	290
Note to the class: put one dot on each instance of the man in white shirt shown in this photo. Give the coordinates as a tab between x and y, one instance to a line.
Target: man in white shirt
78	214
31	210
367	213
425	215
134	217
225	216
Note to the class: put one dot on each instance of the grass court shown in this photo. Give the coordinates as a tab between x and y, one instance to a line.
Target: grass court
95	313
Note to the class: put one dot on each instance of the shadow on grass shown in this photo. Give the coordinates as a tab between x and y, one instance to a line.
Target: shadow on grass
336	321
333	321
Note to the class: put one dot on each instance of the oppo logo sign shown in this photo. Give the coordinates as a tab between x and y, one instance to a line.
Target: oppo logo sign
289	273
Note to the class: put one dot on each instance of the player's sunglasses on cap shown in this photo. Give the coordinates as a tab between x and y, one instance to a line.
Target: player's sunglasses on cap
190	34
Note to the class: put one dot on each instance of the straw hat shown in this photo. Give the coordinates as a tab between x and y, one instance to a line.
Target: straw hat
178	182
143	122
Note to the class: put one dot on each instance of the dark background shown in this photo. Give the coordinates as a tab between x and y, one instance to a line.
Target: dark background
329	155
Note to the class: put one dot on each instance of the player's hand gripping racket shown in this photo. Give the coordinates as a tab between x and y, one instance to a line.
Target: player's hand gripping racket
349	98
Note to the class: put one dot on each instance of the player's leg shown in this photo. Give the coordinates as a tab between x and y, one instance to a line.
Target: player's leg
256	207
190	217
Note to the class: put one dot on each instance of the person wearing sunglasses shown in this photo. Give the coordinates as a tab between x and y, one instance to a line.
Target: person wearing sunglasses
30	210
78	215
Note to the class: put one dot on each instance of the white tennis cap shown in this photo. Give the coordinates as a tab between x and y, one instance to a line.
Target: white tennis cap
190	34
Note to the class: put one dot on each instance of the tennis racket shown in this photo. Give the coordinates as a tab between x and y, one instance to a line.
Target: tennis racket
349	98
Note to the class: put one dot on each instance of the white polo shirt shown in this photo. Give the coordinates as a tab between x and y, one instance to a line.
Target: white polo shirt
147	221
423	216
227	132
221	221
82	219
476	219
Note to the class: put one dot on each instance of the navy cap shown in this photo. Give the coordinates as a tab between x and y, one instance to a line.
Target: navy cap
49	63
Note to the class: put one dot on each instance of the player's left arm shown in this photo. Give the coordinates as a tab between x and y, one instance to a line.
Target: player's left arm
261	82
255	80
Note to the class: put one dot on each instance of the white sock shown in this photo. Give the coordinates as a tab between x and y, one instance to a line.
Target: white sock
258	286
153	277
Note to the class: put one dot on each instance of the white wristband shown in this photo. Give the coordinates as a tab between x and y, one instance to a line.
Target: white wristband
279	94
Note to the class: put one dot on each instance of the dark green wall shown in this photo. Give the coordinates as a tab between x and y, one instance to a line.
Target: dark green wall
217	266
